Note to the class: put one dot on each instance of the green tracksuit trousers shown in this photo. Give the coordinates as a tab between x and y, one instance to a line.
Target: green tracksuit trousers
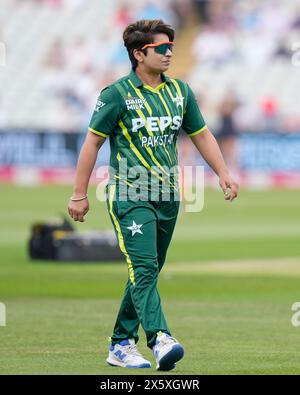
144	230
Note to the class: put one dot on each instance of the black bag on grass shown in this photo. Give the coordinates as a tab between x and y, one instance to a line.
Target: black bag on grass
42	241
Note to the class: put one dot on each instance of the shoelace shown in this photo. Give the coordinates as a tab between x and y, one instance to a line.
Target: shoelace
132	350
165	340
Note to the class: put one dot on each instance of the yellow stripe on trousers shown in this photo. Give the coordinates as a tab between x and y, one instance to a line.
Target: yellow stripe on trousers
112	191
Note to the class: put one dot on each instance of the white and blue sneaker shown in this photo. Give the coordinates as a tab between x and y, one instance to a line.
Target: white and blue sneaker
125	354
166	351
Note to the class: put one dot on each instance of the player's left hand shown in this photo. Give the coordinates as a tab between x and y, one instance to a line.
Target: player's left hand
229	187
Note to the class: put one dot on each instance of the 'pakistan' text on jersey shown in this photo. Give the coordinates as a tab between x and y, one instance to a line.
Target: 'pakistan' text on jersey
143	123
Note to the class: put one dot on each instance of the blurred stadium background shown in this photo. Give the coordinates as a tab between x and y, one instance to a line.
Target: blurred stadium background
233	271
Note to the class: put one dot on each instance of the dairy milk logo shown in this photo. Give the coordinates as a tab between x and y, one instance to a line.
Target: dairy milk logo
135	103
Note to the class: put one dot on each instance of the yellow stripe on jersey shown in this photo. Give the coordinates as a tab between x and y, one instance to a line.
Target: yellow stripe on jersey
120	236
136	151
155	90
197	131
149	109
137	91
122	180
170	93
99	133
149	150
169	114
177	87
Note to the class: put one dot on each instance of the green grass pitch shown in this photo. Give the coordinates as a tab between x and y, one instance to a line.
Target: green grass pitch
231	277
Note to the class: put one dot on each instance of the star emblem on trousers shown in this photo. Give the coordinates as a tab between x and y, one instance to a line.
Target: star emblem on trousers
135	228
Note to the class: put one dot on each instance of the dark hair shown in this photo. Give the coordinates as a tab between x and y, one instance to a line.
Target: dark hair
142	32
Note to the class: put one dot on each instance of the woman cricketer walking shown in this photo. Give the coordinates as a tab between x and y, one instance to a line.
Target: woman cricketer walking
142	114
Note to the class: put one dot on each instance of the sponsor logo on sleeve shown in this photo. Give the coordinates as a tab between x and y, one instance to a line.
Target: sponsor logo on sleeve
99	105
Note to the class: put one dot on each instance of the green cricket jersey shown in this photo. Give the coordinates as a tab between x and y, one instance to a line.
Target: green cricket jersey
143	124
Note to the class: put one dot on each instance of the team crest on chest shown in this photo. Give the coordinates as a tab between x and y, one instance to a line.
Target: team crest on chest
178	100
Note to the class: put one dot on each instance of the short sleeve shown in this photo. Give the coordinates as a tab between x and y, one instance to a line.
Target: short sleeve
106	113
193	122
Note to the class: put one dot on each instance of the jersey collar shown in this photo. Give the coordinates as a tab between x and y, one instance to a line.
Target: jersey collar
138	83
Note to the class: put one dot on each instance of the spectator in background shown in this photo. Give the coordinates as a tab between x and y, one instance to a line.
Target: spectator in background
221	15
78	55
256	50
97	46
283	50
296	22
75	4
55	58
123	15
153	9
248	16
227	132
270	114
182	11
3	115
238	40
213	46
52	3
201	7
70	4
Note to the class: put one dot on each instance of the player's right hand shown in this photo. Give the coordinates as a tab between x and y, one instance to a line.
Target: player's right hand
78	210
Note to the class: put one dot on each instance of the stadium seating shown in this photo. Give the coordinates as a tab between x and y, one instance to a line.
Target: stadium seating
35	93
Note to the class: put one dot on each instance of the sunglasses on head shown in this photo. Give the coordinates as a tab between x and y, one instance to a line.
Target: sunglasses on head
161	47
